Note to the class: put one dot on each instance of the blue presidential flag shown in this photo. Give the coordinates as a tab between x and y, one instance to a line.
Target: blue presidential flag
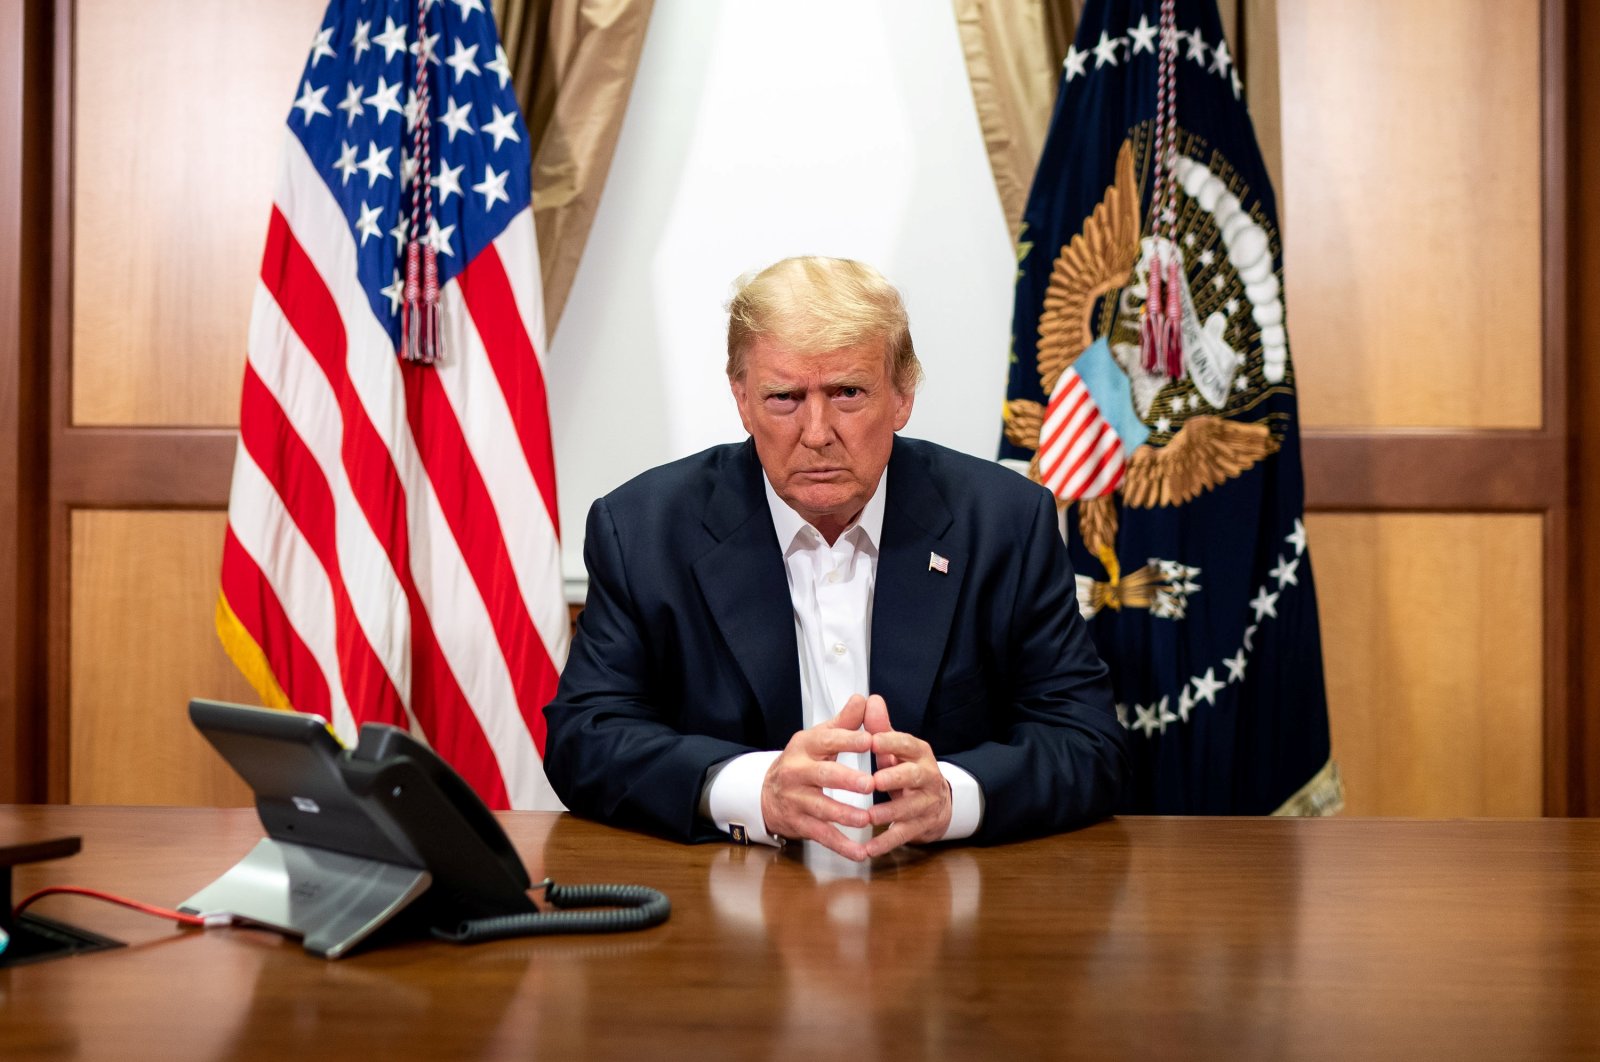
1151	390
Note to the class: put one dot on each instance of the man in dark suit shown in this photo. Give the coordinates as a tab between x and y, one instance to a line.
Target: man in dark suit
827	625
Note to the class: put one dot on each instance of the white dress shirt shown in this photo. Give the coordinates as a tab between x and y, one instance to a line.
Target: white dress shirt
831	588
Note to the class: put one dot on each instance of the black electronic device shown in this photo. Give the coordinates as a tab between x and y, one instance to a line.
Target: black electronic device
28	937
382	834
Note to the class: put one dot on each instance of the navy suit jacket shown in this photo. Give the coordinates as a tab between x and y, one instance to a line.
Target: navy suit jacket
685	650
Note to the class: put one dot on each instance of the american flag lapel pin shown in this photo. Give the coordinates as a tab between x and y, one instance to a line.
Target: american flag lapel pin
938	564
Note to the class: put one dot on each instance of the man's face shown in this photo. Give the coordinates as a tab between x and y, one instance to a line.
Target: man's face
823	425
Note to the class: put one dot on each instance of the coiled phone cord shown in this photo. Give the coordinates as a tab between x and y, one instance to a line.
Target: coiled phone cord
631	907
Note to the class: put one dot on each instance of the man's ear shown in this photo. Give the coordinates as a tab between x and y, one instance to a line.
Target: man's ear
741	398
903	414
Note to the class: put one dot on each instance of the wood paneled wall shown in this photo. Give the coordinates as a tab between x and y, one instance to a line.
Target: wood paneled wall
24	210
1582	281
1432	628
1412	199
1417	264
169	216
162	236
143	594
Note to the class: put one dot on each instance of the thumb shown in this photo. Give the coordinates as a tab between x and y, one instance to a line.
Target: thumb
851	715
877	715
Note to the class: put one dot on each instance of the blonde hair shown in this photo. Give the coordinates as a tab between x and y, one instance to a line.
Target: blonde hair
816	305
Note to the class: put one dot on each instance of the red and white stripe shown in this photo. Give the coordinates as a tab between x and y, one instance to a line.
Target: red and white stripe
1080	455
393	548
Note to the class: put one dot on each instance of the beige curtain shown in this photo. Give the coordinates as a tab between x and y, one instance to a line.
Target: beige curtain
1014	50
572	62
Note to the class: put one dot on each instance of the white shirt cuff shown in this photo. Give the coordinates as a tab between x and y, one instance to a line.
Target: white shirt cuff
966	802
734	796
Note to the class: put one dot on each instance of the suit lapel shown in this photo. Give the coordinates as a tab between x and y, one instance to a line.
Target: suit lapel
913	603
747	591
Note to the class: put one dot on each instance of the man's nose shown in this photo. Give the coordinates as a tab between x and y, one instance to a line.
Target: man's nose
816	424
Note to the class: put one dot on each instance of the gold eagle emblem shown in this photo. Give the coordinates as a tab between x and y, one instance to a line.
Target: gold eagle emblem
1205	452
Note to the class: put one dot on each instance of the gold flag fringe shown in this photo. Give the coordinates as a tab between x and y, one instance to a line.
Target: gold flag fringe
1323	795
248	657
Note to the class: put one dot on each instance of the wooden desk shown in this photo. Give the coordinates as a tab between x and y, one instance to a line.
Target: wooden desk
1139	938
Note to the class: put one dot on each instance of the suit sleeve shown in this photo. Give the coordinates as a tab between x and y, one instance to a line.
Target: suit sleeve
612	752
1058	758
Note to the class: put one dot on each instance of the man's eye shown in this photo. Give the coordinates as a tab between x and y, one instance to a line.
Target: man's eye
849	392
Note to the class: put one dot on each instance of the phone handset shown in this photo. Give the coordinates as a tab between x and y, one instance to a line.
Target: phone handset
480	887
385	834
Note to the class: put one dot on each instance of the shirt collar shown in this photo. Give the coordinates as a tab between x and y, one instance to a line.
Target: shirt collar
790	525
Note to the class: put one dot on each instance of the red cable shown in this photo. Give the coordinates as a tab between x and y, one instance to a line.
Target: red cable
146	908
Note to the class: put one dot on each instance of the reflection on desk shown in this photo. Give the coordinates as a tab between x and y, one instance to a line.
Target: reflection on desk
1132	938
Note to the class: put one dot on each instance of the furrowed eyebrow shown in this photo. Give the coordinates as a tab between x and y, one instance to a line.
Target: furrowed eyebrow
767	390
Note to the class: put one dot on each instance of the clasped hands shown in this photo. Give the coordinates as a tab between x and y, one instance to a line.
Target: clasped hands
794	805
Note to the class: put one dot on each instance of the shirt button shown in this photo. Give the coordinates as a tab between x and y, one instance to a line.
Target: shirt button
838	649
833	577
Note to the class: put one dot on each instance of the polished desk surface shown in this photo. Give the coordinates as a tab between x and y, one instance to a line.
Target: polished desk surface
1138	938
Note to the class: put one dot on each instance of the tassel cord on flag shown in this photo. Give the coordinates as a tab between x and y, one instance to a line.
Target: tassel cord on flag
419	321
1160	328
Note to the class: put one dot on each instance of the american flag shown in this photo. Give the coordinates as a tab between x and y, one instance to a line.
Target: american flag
1080	455
392	551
